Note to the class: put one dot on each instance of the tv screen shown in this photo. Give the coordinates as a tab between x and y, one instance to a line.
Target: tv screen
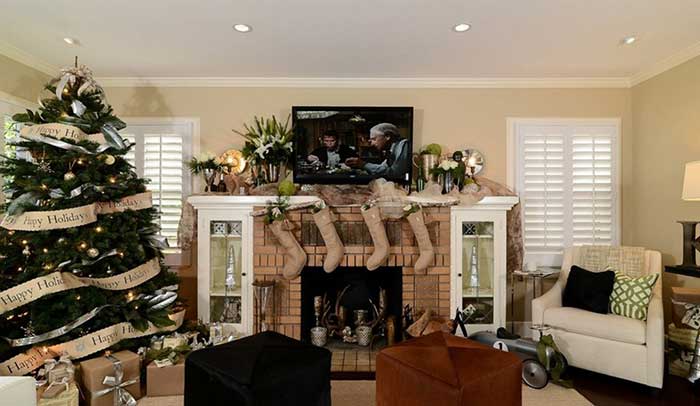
336	145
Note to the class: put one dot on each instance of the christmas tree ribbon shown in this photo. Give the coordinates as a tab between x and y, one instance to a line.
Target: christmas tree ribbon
51	133
91	343
75	216
55	282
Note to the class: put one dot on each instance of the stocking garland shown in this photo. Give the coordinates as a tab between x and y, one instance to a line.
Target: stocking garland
296	257
414	215
373	219
334	246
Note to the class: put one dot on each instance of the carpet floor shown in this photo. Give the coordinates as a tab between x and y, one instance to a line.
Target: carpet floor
361	393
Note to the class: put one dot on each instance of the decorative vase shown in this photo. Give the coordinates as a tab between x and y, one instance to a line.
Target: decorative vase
445	180
319	335
427	162
364	335
209	176
272	172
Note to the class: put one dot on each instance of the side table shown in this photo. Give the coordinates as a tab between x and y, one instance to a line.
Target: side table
537	276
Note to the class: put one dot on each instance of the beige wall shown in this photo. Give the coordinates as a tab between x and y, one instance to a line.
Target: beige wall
666	122
20	80
456	118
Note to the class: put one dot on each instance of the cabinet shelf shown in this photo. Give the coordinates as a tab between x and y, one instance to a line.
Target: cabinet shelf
222	292
472	293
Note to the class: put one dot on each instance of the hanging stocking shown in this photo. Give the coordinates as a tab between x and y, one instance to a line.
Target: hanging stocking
373	218
295	256
417	222
334	247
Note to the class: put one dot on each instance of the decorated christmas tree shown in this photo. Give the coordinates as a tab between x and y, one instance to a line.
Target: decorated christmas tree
81	263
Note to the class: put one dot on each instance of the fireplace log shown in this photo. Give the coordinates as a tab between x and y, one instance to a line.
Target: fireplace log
415	329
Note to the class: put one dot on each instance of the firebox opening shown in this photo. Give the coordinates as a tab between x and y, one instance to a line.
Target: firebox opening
358	290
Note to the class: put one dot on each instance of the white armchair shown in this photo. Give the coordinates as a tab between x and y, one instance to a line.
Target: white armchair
606	343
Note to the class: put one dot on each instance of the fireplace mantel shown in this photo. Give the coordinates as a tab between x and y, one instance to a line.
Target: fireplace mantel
262	258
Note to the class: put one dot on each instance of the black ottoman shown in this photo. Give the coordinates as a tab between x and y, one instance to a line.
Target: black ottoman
260	370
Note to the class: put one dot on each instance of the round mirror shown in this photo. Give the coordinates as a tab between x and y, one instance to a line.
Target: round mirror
473	160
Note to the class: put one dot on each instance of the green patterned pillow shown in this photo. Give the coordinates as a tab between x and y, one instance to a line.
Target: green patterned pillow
630	296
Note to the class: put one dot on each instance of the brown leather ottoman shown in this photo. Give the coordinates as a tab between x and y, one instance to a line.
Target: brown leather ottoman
444	370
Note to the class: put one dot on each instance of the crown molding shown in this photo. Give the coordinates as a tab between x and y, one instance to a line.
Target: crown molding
476	83
665	64
26	58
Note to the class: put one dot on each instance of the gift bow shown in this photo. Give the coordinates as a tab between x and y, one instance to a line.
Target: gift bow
122	397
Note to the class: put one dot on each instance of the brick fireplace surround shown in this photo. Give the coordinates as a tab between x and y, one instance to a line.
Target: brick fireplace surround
430	290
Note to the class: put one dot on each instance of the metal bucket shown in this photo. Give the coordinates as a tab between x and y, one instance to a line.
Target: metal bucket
427	162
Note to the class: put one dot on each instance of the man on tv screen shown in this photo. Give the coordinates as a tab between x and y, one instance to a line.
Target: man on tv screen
332	153
386	139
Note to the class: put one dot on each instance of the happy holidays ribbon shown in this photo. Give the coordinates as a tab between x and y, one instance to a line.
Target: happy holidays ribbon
55	282
75	216
81	347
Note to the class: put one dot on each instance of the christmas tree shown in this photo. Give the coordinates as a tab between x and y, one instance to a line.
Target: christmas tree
81	263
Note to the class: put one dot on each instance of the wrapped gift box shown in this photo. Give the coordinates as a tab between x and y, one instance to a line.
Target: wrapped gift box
95	370
682	337
680	297
165	381
69	397
679	361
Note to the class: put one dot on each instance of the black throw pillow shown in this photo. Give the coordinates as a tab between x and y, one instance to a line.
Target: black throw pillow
588	290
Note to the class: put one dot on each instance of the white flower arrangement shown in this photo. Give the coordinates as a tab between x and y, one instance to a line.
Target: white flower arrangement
267	141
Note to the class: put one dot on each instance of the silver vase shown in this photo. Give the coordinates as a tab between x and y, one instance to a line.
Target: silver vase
428	162
273	172
209	176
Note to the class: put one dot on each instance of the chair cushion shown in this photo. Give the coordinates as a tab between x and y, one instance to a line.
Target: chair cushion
606	326
588	290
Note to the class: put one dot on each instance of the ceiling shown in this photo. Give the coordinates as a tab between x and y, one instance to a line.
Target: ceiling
353	38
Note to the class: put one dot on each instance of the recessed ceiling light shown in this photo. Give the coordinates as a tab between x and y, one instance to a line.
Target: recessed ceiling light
71	41
628	40
462	27
242	27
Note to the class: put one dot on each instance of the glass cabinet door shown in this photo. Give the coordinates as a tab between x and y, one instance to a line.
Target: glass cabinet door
225	298
478	271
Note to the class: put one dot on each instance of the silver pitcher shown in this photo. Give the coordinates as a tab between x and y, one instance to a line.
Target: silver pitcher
428	162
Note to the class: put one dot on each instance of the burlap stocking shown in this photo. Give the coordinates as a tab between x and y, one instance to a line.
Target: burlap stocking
295	258
425	247
334	247
373	218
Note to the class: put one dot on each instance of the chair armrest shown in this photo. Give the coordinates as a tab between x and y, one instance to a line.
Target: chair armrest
655	342
550	299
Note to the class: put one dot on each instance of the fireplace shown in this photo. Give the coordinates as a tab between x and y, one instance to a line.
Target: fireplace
352	289
430	290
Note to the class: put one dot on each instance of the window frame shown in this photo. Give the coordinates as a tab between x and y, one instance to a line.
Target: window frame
513	163
174	256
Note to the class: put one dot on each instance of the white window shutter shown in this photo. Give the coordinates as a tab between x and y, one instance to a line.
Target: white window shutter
566	179
593	195
158	155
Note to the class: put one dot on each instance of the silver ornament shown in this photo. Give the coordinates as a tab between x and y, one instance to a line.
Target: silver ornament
78	107
26	251
93	252
68	176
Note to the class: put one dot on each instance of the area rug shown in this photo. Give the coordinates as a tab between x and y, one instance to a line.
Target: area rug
353	393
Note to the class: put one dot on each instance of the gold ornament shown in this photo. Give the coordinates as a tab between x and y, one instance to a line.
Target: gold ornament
233	159
68	176
109	160
93	252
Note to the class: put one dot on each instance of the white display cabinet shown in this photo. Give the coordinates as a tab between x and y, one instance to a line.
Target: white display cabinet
478	261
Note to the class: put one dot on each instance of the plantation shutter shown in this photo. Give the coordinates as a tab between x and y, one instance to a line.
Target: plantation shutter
158	155
565	176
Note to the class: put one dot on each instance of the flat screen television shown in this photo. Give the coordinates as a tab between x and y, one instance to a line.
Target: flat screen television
338	145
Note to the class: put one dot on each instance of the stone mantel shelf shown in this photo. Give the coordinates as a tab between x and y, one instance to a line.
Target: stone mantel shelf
248	202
